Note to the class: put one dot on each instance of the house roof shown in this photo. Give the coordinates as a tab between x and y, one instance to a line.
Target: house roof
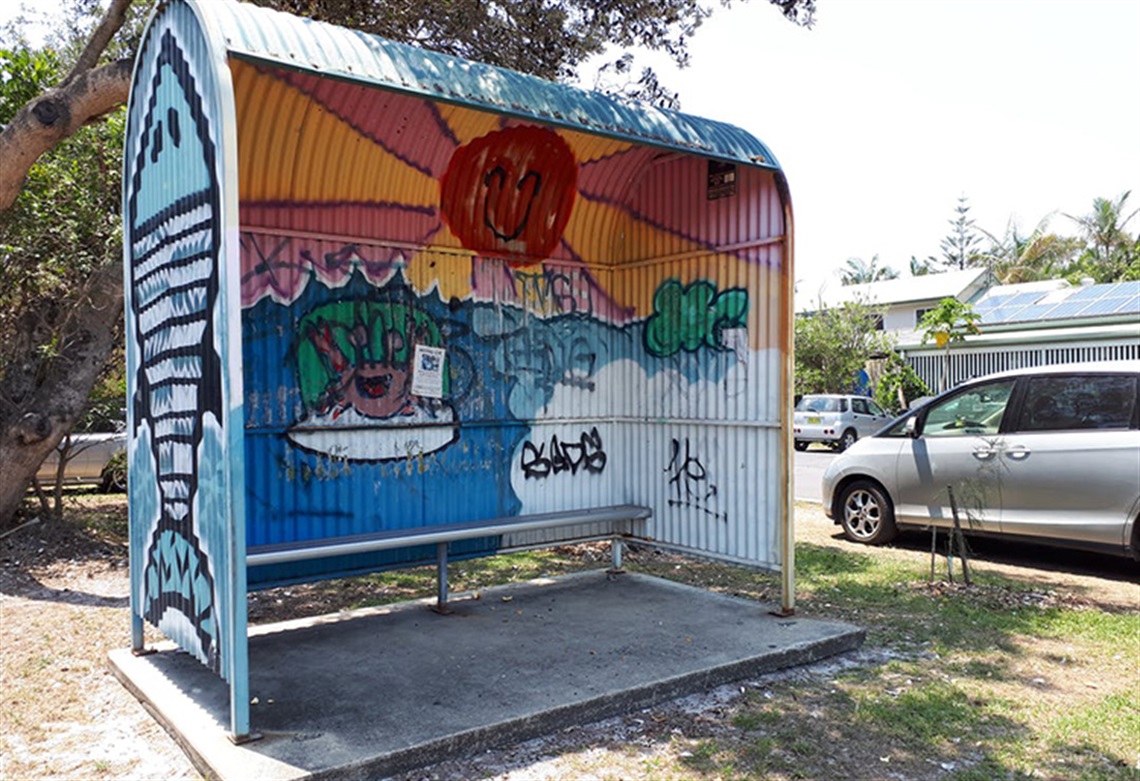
1051	311
963	285
264	35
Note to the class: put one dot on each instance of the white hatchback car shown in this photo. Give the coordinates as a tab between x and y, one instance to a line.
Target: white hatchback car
1050	453
836	420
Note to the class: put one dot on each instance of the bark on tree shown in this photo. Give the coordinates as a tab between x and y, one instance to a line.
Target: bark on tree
53	117
44	399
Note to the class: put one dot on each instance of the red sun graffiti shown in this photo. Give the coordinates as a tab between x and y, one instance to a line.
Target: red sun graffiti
510	193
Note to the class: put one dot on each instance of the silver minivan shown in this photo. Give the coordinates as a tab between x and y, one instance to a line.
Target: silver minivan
1050	453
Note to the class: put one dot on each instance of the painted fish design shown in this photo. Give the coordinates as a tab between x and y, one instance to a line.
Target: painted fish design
174	212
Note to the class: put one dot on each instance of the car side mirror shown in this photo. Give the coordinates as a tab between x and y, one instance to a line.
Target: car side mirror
911	427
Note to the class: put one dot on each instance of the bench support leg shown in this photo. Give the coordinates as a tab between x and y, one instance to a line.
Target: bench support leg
615	553
441	577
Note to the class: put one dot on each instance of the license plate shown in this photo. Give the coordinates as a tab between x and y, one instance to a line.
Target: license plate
813	420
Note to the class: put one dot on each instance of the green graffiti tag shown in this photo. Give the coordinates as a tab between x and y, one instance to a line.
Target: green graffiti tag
685	318
359	354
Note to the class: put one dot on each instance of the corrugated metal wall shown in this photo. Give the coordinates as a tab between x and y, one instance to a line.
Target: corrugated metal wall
187	562
632	357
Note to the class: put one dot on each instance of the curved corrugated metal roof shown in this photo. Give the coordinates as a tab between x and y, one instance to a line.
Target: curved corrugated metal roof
306	45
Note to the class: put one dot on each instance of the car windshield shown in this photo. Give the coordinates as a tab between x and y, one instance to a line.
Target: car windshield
820	404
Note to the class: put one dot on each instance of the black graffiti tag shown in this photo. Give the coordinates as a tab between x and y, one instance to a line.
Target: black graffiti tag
586	454
690	482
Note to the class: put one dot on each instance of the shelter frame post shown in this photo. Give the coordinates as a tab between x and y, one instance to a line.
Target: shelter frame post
441	577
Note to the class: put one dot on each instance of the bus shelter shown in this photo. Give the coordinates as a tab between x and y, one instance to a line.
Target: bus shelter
387	307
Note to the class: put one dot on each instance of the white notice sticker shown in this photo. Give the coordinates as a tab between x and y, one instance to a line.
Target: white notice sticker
427	373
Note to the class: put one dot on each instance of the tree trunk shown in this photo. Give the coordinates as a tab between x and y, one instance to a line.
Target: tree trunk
43	398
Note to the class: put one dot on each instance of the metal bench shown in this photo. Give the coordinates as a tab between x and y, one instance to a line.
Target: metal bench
443	534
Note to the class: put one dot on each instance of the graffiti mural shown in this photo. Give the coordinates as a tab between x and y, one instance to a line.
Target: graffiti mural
496	242
688	318
586	454
173	252
510	193
355	368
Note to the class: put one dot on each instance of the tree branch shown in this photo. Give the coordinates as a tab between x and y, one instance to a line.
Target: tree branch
110	24
53	117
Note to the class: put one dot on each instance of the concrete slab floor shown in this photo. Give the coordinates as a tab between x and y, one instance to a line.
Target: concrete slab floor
378	691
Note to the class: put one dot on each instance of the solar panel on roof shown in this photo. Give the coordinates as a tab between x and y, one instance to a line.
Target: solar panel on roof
1089	301
1024	299
992	301
1035	312
1087	293
1103	306
1000	315
1131	304
1066	309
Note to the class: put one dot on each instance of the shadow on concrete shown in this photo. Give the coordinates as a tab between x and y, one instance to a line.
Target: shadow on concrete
385	690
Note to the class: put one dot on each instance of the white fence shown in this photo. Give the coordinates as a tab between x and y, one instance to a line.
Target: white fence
966	363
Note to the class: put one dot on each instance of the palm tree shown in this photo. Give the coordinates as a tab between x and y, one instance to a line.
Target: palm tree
1039	255
920	268
859	272
1110	249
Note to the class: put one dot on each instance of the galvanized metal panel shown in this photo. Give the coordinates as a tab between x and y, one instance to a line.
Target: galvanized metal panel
180	215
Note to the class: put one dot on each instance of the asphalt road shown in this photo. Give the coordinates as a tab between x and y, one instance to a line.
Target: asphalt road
808	468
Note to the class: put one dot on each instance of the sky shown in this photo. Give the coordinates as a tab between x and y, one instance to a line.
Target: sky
887	111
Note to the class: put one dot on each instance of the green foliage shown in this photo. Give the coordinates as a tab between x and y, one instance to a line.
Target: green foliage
1040	254
1110	254
859	272
24	74
833	345
64	224
899	376
920	268
949	322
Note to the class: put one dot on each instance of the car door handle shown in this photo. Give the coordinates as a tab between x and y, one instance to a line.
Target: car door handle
1017	452
984	453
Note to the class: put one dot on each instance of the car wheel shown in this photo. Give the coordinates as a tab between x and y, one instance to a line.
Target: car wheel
867	514
801	445
115	481
847	440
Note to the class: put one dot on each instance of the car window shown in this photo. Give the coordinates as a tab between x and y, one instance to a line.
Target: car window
1075	402
976	410
876	409
899	429
860	406
821	404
